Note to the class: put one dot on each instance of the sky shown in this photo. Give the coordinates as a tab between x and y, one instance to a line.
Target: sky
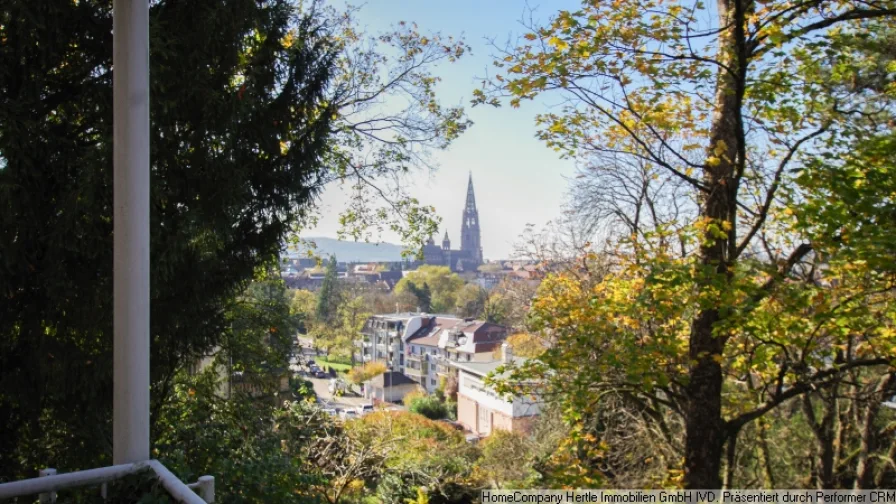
517	179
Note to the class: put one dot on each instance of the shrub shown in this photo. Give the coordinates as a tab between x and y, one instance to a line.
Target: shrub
430	407
416	395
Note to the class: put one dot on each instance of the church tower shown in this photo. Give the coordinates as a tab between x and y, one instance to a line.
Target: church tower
446	243
469	231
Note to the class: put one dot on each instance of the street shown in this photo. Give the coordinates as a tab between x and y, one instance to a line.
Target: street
321	385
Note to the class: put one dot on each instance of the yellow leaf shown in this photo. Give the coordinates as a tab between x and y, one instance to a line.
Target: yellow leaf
558	43
713	161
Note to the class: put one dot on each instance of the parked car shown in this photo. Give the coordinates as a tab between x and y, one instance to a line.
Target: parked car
348	414
364	409
320	374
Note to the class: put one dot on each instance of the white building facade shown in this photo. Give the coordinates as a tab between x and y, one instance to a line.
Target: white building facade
482	410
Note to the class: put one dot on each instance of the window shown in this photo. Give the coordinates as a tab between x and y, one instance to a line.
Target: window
485	420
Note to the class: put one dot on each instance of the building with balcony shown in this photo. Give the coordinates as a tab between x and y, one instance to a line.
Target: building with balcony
422	346
383	336
443	340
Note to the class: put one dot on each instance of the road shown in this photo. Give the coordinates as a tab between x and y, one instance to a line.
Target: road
321	385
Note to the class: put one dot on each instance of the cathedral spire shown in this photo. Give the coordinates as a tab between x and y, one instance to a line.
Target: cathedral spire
471	198
469	234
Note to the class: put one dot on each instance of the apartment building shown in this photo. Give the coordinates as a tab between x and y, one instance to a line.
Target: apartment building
422	346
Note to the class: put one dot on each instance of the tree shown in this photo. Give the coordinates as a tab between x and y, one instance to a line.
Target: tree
389	119
303	307
512	299
471	301
540	458
505	460
422	294
261	336
235	150
257	452
526	345
423	453
442	283
328	296
352	316
726	104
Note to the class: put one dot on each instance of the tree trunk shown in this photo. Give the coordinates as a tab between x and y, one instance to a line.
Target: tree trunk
704	429
731	459
825	436
768	477
704	426
884	476
865	464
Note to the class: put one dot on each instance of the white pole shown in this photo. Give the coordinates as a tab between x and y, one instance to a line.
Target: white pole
130	60
47	497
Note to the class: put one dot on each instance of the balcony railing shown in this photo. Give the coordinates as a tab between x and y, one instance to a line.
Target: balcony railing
418	369
201	492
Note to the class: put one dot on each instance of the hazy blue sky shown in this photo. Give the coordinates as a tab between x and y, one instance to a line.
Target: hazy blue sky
517	179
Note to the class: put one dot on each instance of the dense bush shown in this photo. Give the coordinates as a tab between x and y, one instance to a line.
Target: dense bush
430	407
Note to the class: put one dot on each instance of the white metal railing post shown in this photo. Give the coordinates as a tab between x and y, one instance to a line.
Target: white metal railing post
47	497
207	488
130	425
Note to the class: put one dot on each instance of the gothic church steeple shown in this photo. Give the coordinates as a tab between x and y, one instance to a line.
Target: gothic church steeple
469	233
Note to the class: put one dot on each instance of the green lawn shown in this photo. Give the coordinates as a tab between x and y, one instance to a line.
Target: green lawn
323	362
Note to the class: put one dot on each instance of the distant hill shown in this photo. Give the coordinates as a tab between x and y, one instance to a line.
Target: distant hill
347	251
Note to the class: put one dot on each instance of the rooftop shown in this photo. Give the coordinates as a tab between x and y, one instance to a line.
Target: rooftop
389	379
484	368
436	333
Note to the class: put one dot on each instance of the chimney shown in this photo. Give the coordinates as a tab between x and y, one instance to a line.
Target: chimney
506	353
